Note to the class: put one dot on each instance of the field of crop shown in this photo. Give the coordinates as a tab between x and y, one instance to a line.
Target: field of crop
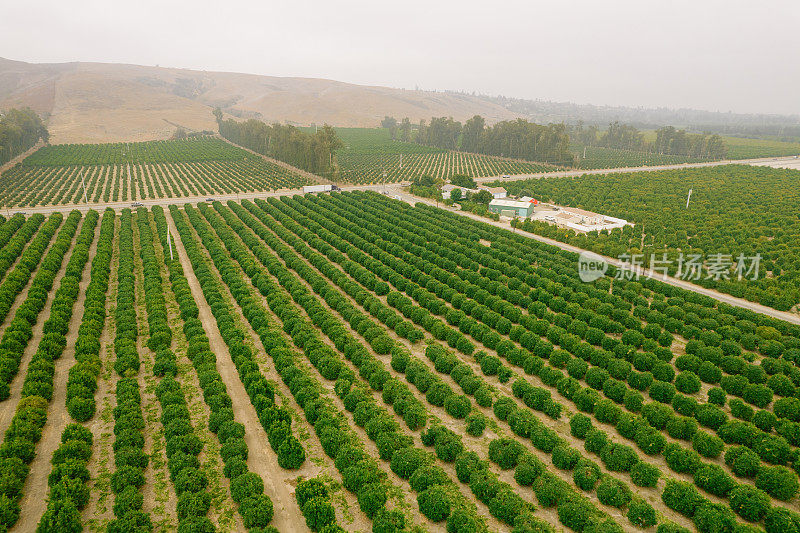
594	157
368	152
734	209
55	175
348	362
739	148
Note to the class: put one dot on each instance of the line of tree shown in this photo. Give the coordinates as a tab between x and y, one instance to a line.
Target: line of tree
518	139
313	152
678	142
399	130
669	140
20	129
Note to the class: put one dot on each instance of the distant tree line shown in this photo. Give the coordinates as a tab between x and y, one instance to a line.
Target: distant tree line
309	151
400	131
20	129
518	139
678	142
669	140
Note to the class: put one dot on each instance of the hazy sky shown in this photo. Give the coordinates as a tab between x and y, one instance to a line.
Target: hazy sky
719	55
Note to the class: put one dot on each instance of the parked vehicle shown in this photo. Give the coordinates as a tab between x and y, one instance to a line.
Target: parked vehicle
320	188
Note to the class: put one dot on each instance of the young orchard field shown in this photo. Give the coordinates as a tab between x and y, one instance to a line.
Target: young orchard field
733	210
368	152
741	148
595	157
348	362
55	175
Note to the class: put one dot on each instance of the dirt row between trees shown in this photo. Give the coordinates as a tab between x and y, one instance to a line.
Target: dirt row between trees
493	523
261	459
223	509
159	495
317	462
97	512
33	502
613	435
9	406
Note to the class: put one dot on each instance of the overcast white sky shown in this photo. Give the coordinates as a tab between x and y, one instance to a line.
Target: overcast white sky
719	55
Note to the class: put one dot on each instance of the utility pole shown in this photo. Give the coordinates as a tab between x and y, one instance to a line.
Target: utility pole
169	245
84	188
687	198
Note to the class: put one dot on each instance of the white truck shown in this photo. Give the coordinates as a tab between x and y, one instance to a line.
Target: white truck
319	188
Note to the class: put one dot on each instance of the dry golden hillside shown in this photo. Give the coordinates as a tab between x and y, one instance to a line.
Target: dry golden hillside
101	102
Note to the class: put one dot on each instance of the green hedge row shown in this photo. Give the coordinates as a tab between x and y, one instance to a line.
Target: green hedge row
10	227
314	500
68	481
183	446
25	431
379	425
82	378
570	388
14	247
129	457
247	489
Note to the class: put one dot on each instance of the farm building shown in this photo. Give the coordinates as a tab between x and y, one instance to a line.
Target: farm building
511	208
496	192
528	199
582	216
447	188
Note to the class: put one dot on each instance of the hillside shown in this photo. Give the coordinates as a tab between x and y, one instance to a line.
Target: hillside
100	102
